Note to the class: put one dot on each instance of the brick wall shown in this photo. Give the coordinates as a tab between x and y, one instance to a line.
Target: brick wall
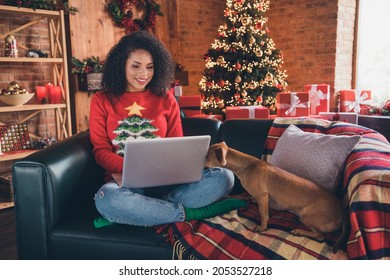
316	37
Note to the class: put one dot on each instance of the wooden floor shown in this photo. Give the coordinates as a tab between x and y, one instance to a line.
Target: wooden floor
8	249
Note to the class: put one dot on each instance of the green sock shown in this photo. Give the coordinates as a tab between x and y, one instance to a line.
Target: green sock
102	222
214	209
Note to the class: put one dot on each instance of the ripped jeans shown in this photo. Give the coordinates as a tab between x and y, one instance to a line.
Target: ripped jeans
161	205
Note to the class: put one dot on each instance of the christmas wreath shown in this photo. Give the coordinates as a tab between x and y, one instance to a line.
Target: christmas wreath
134	15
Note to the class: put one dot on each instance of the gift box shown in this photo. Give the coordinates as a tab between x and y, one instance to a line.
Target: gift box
292	104
340	117
189	105
319	97
353	100
247	112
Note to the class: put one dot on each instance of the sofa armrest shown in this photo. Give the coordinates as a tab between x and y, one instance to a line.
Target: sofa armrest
51	185
366	192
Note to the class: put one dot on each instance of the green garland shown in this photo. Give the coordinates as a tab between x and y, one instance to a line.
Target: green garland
54	5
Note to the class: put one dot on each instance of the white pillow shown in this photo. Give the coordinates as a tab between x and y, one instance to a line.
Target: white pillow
317	157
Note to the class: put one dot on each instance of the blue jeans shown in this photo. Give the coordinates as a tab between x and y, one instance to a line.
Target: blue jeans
161	205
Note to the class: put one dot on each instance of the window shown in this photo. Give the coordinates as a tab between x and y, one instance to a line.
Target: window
373	49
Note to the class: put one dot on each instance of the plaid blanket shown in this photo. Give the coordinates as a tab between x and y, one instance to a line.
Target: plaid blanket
365	189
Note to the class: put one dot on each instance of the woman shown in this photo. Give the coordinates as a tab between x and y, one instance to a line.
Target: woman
137	80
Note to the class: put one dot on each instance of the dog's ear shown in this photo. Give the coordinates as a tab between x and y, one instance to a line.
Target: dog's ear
220	154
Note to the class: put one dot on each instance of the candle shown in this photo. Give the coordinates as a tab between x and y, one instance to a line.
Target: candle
55	95
41	93
48	87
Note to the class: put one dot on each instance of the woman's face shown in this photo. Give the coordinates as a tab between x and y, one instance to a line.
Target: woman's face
139	70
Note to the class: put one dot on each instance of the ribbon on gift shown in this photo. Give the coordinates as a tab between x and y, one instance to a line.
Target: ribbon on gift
360	99
294	104
251	109
315	97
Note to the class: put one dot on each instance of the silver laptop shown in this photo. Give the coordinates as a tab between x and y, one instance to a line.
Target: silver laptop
164	161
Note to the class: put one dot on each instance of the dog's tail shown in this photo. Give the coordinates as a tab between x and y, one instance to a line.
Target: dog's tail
341	242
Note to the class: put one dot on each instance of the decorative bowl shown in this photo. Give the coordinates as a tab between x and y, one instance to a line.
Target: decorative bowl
16	99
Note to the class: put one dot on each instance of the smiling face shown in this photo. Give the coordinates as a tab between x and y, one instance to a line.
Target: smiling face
139	70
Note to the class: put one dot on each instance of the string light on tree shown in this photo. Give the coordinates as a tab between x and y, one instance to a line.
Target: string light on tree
245	58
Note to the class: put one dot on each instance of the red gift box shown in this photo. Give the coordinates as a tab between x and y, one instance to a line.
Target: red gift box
292	104
352	100
319	96
190	105
246	112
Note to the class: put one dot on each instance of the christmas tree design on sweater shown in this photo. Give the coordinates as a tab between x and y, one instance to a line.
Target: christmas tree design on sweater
132	128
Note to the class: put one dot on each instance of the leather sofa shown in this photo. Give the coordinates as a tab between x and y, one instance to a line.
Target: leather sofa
54	190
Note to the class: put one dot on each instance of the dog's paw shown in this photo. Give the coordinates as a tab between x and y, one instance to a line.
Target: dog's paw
296	232
260	228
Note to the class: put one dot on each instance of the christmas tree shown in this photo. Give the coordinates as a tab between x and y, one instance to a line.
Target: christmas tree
134	127
243	67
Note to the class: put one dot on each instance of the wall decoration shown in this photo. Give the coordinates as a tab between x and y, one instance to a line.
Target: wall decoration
134	15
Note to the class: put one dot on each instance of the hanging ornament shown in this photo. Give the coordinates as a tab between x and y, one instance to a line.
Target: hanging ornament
221	83
245	21
259	53
269	77
238	79
259	99
236	95
252	85
268	51
238	66
259	25
221	60
244	94
252	40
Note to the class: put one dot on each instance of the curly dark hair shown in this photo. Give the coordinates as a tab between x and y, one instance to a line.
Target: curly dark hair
114	73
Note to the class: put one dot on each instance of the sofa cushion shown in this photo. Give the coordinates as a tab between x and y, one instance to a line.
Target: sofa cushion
279	125
314	156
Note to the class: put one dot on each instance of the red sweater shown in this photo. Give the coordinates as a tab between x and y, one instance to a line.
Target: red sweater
135	115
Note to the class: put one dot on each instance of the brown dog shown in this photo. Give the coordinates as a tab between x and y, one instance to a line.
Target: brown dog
273	187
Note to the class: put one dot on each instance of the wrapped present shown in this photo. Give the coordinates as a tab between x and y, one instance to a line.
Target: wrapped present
340	117
353	100
247	112
204	116
189	104
292	104
319	97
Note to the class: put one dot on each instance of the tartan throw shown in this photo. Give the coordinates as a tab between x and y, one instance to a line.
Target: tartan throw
365	189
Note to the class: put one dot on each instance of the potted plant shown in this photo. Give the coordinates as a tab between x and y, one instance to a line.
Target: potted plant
89	72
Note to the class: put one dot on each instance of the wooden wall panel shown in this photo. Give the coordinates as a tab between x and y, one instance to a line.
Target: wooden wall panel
92	33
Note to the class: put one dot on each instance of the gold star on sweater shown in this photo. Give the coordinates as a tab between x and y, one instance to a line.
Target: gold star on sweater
135	109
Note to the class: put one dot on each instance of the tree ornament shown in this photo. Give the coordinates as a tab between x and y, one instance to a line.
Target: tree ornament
236	95
259	53
244	94
238	66
259	99
221	83
252	40
245	21
238	79
252	85
221	60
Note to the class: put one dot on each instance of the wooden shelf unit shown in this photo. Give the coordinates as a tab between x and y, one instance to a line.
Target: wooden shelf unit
57	58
